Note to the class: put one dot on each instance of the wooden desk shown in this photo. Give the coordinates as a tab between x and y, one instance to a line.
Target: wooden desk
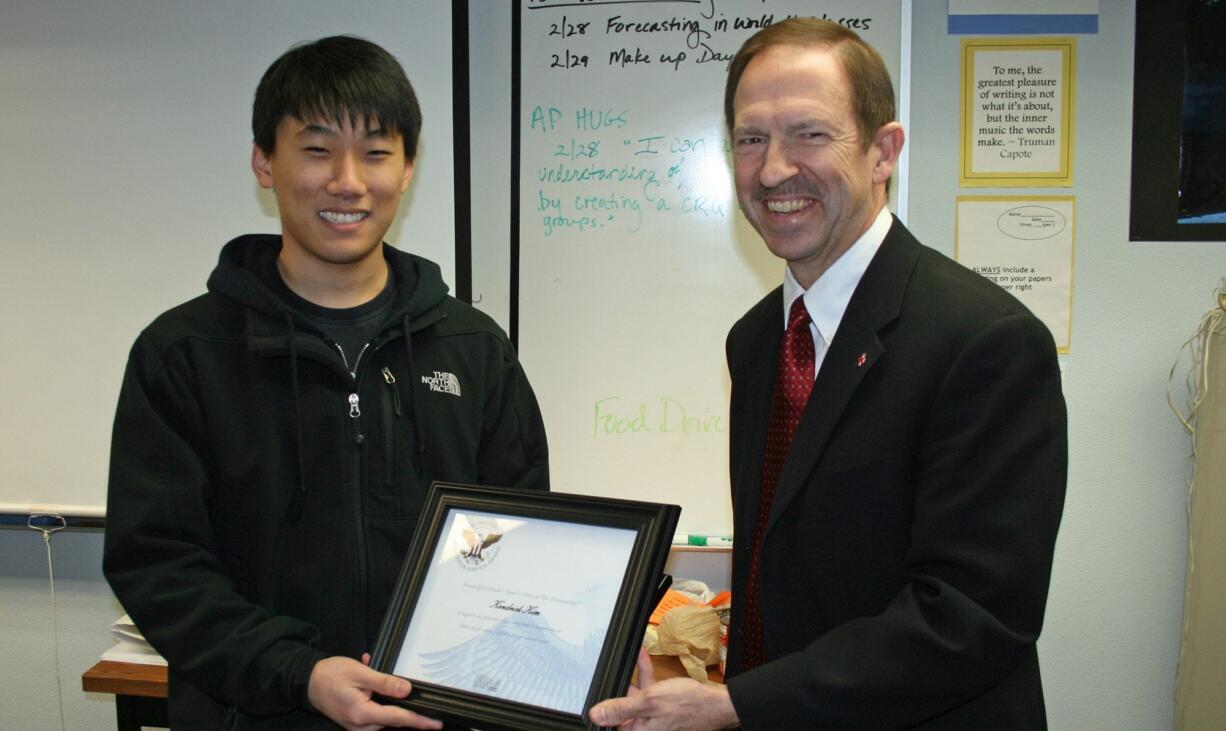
668	666
140	690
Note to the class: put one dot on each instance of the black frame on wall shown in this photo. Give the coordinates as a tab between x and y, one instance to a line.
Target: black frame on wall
1162	30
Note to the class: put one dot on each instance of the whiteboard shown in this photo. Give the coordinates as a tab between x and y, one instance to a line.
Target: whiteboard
634	258
125	138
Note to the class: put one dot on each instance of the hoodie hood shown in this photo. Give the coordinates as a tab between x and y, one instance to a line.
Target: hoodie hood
419	282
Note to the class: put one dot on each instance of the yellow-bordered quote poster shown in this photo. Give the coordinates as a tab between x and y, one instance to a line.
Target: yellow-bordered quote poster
1017	112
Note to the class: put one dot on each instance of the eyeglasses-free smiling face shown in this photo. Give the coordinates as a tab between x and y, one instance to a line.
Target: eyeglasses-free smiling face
804	179
338	187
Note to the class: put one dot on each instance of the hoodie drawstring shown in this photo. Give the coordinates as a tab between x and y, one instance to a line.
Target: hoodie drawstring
295	506
417	431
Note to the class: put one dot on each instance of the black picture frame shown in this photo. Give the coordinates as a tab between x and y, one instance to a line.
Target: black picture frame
643	584
1157	126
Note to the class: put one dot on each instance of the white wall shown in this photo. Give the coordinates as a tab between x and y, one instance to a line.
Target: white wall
1110	644
126	145
1109	647
84	608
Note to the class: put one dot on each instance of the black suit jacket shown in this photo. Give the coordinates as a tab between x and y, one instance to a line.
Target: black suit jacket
908	549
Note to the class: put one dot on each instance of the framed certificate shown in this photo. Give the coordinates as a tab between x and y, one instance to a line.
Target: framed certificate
521	609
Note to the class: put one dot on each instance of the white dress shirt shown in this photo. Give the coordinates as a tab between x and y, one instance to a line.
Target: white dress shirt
827	299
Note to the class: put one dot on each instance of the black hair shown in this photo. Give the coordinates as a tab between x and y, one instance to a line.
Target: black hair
339	79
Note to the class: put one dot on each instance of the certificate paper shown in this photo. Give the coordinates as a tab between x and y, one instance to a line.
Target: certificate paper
519	609
516	608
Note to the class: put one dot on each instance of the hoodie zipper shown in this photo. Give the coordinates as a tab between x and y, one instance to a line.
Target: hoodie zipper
390	380
355	414
357	361
389	441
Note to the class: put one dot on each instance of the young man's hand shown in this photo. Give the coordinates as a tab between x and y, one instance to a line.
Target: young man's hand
341	689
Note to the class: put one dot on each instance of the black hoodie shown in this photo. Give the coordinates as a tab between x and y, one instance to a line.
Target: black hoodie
261	499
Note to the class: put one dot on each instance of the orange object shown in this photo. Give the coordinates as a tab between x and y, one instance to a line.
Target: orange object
672	599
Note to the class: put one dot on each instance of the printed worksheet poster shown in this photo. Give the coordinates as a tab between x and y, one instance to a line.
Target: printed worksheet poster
1024	244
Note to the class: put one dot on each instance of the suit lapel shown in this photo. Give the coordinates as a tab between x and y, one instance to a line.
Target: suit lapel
853	353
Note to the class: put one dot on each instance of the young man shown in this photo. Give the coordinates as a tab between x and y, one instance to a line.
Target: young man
894	532
276	437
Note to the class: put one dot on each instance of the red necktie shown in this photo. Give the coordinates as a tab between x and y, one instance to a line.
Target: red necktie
792	386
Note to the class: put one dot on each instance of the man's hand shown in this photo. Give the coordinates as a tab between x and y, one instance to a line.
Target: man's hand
340	688
677	703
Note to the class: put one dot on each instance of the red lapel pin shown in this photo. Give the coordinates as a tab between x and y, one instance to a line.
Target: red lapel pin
860	361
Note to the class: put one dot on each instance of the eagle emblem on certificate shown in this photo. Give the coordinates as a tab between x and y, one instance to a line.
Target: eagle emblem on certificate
475	542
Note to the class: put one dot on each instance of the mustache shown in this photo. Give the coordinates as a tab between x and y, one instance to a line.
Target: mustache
788	188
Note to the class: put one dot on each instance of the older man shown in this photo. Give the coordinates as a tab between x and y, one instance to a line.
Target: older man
898	439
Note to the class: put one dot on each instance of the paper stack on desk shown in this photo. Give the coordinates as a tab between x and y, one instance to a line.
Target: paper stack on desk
132	646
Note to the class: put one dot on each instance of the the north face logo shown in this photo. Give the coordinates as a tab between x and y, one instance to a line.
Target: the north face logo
443	382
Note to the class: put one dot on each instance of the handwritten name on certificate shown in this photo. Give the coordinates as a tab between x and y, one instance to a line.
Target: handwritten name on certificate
516	608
